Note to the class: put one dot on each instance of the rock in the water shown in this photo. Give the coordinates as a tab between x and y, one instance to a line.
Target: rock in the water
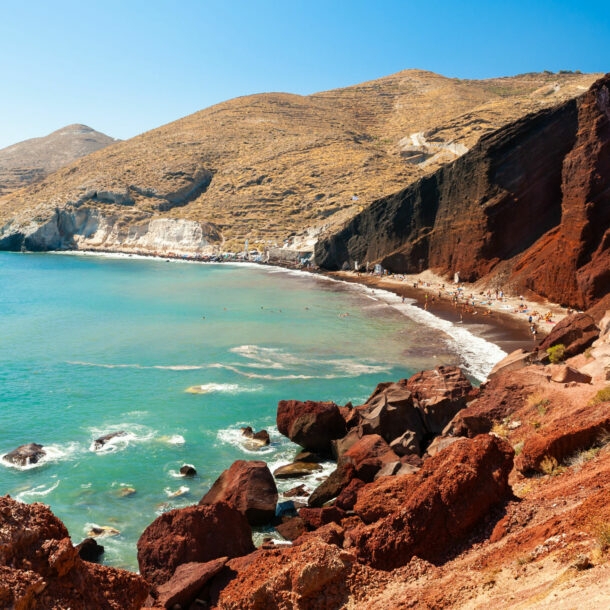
25	454
100	442
195	533
188	470
261	437
299	491
313	425
249	487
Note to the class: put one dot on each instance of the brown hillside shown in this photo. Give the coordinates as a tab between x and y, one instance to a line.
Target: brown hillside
270	166
26	162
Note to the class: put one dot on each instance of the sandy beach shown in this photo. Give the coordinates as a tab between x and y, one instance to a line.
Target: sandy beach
499	317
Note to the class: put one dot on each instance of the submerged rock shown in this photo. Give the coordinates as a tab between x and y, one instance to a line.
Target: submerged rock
98	443
296	470
261	437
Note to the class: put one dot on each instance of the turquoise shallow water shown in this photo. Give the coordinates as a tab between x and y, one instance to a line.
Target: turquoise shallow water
93	345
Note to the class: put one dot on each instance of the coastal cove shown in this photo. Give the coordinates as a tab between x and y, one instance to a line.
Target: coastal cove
93	345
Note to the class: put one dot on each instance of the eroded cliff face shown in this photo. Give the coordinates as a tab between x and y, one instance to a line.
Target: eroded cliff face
88	228
530	201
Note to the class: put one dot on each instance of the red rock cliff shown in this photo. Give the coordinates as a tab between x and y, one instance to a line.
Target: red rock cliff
533	199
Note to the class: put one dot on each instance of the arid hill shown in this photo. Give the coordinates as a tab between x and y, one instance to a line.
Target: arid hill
270	167
31	160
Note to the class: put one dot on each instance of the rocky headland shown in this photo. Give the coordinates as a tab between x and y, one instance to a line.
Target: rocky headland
445	495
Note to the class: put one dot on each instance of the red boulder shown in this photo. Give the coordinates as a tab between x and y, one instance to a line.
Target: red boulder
249	487
575	333
313	425
195	533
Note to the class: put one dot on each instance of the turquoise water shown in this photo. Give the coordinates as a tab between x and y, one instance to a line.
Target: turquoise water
93	345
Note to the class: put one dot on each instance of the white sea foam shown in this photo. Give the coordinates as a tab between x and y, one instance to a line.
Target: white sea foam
234	437
53	453
227	388
173	439
176	493
479	356
311	481
37	492
133	433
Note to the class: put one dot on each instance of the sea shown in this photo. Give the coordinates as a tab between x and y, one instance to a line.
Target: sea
177	357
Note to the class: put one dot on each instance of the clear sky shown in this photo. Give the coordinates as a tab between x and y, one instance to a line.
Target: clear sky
127	66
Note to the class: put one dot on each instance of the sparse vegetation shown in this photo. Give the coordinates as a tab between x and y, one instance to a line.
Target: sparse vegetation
500	429
550	466
602	396
539	402
602	535
556	353
518	447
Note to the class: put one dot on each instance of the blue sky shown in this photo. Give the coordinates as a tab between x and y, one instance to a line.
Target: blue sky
127	66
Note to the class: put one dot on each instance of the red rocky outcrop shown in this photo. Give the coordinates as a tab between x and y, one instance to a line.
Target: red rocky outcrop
445	500
313	425
249	487
440	393
564	436
39	567
188	579
310	576
192	534
575	333
367	456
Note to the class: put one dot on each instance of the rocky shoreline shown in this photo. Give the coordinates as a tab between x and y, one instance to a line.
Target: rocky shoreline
442	492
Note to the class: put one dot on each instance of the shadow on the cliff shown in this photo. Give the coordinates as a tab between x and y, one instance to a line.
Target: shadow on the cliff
489	529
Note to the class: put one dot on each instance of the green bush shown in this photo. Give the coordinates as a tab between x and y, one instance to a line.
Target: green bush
556	353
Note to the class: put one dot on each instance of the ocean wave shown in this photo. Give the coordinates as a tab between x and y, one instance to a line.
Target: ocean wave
172	439
53	453
477	354
132	433
161	367
234	437
228	388
37	492
278	359
177	493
